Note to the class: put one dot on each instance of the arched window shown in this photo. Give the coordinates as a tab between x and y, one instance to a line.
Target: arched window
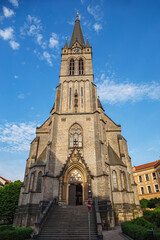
75	136
81	70
124	180
39	182
31	186
72	67
114	175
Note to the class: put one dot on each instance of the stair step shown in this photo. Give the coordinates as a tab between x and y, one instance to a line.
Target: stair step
68	223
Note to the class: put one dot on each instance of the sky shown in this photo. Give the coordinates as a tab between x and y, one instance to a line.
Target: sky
125	40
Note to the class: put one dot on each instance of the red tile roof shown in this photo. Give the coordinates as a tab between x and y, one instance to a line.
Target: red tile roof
147	165
5	180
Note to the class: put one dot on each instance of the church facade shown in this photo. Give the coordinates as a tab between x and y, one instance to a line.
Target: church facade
79	152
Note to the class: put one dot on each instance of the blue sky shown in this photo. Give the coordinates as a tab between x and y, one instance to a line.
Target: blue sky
125	40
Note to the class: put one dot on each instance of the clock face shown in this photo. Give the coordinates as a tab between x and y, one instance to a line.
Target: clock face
76	50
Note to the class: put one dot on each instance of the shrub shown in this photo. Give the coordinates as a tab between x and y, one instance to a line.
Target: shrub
153	216
143	222
16	234
6	227
144	203
135	231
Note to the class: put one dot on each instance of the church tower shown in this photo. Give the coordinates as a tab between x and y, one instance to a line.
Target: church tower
79	152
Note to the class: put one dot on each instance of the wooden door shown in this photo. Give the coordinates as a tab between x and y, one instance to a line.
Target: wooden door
72	194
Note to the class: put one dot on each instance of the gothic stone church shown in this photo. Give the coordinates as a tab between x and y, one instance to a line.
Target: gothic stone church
79	152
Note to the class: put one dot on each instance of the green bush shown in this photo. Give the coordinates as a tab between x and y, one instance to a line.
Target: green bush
135	231
141	221
152	203
6	227
153	216
16	234
144	203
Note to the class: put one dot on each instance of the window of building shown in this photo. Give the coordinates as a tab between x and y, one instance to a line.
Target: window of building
142	190
75	136
39	182
72	67
154	175
124	180
140	178
157	188
75	177
31	186
81	71
114	174
70	97
147	177
149	189
81	96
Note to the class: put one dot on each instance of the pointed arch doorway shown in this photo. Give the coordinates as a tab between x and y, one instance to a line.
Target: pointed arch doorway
75	194
75	189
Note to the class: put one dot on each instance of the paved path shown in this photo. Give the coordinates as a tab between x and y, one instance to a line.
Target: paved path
113	234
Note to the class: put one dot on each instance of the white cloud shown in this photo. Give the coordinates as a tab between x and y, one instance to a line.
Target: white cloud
16	76
16	137
97	27
14	45
53	41
95	11
8	12
47	56
32	27
14	2
7	33
21	96
112	92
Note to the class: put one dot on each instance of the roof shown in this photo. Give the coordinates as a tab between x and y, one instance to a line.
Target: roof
100	104
147	165
5	180
77	34
66	44
87	43
113	157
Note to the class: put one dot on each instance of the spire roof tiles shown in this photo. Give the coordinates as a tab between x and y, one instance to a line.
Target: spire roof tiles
77	34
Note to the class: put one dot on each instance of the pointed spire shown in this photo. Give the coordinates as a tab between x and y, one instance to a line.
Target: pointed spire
77	34
66	44
87	43
99	104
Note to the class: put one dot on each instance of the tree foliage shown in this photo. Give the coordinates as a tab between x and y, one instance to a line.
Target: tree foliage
152	203
9	196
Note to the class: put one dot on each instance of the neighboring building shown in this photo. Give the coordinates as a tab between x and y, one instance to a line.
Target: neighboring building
3	181
147	178
79	152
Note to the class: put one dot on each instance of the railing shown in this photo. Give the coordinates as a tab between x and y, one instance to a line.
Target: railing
40	222
98	220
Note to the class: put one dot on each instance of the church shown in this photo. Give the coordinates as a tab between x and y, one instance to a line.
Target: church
78	152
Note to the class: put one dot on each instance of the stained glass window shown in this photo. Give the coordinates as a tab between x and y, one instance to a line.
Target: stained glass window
75	176
72	67
39	182
75	136
115	180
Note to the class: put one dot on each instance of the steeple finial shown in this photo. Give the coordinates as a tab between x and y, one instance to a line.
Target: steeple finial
78	14
77	34
66	44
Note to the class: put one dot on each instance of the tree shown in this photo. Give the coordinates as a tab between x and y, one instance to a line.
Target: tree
144	203
9	196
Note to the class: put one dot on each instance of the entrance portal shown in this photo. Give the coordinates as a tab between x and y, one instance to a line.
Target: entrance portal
75	194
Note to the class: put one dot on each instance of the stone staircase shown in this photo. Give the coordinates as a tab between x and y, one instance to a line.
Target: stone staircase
68	223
